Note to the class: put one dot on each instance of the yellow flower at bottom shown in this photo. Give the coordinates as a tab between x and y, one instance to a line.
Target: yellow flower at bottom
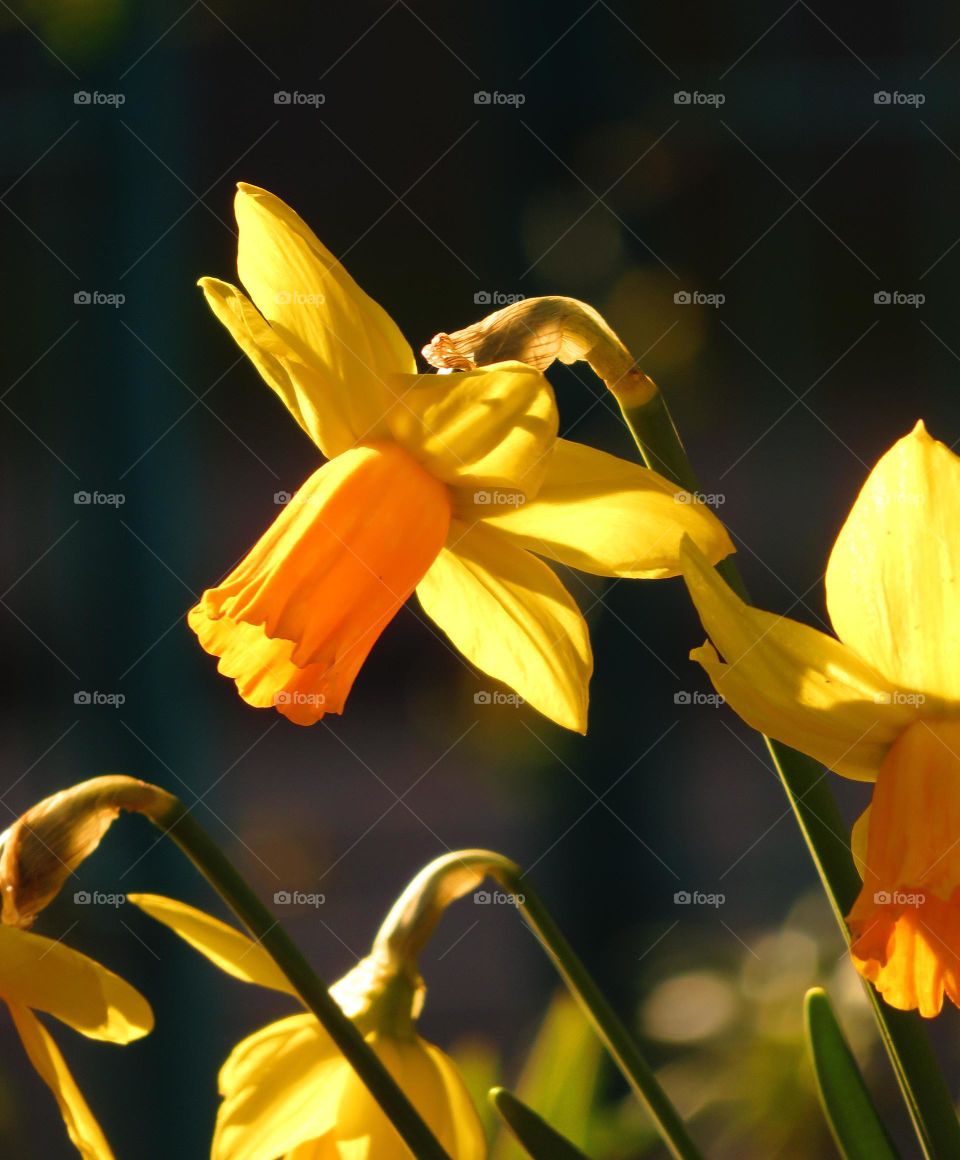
881	703
39	974
452	485
288	1092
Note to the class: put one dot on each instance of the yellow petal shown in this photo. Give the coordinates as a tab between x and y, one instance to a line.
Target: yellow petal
82	1127
508	613
610	517
859	839
316	307
793	683
48	976
223	945
281	1087
317	403
488	428
431	1081
893	582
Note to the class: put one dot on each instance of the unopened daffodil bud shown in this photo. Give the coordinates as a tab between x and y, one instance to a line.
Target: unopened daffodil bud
46	844
39	851
538	331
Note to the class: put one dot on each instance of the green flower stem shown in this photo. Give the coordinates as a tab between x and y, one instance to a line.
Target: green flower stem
905	1039
177	823
412	920
607	1025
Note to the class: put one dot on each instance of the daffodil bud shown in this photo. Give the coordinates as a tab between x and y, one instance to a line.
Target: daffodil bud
45	845
538	331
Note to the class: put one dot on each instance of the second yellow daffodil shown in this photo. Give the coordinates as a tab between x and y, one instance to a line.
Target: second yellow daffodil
443	484
289	1092
881	703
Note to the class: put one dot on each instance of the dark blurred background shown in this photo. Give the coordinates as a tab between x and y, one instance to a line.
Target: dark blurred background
630	156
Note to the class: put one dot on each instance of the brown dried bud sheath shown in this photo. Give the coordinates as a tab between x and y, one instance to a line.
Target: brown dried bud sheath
538	331
45	845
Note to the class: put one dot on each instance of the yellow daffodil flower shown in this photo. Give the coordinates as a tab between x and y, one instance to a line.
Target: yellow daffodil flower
39	974
881	703
443	484
288	1092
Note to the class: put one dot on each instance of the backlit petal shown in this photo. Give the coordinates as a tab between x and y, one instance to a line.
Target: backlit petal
48	976
436	1091
792	682
906	922
295	620
316	307
488	428
82	1127
859	839
224	945
610	517
281	1087
508	613
893	582
315	401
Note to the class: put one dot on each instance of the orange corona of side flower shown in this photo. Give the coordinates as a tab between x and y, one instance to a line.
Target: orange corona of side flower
443	484
881	704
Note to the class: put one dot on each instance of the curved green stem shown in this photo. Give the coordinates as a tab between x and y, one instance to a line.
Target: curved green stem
419	908
617	1040
804	780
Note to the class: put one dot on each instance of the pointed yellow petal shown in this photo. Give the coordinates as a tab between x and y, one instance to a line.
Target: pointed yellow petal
488	428
793	683
316	402
893	582
281	1087
82	1127
314	305
509	614
610	517
48	976
223	945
